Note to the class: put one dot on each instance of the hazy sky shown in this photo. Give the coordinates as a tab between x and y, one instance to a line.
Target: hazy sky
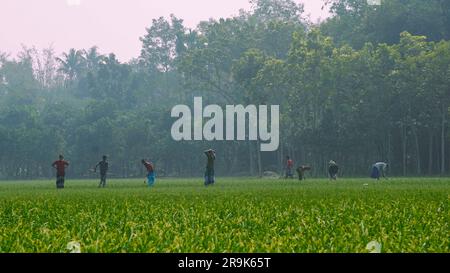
112	25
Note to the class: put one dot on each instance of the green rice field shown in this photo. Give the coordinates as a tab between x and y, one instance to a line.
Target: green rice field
234	215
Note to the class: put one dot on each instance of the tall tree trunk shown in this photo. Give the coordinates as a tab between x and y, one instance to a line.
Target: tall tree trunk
259	158
430	154
250	157
444	113
404	149
389	156
280	159
123	168
416	138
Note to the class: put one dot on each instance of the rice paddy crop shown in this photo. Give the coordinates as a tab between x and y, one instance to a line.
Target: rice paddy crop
234	215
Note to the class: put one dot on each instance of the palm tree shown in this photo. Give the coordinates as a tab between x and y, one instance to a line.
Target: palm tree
92	58
71	64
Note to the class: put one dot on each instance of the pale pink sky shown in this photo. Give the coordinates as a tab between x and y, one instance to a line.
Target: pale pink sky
112	25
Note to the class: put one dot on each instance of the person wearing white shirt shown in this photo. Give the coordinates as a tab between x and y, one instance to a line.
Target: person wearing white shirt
379	169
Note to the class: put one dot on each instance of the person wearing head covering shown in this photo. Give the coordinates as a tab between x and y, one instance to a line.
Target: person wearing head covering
301	171
378	170
333	169
209	173
150	172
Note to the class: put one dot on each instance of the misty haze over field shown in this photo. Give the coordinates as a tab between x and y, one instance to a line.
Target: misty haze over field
368	83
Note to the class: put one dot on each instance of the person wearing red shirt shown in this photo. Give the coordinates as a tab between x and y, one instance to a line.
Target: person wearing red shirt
289	166
60	166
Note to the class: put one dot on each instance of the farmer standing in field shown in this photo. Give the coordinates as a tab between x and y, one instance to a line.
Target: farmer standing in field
289	166
209	173
150	172
379	169
301	171
333	169
103	170
60	166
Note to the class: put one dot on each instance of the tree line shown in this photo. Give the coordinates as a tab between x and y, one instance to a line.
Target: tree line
370	83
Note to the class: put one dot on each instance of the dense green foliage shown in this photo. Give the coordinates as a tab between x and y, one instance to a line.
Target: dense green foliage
235	215
371	83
